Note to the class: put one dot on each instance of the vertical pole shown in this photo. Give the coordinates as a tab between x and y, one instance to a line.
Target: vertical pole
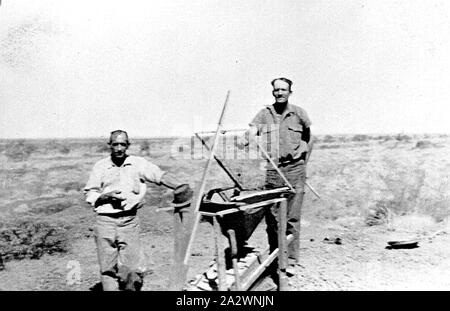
234	258
282	245
179	270
220	256
201	188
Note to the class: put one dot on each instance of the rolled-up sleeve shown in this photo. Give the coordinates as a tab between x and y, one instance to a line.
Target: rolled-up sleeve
257	121
93	188
152	172
305	118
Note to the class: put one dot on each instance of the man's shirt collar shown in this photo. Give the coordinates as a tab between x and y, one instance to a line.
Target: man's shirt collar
289	109
126	162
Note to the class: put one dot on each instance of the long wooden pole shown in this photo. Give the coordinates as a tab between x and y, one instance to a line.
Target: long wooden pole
311	145
201	188
235	181
275	166
282	245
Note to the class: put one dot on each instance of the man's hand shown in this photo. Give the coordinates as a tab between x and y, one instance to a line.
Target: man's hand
244	140
112	197
301	152
241	143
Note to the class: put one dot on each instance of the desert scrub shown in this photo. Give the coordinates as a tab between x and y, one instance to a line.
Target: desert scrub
361	137
19	151
102	148
145	148
403	137
401	191
53	146
421	144
328	139
32	237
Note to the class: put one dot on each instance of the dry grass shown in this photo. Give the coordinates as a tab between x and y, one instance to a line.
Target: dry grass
361	178
384	176
32	237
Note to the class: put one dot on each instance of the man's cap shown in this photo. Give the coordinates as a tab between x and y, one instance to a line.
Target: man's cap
182	195
114	134
284	80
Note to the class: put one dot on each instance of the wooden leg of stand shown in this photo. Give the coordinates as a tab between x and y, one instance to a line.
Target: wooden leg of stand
282	246
179	269
234	254
220	256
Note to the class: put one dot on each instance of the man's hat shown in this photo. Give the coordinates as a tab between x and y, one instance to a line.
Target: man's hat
182	196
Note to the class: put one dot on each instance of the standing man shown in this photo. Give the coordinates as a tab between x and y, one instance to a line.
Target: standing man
116	189
285	130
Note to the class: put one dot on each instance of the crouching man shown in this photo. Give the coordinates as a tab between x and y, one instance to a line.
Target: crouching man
116	188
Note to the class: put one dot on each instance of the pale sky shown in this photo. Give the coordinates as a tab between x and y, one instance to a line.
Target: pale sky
157	68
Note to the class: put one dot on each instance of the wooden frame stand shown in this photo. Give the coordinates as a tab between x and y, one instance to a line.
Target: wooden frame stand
246	271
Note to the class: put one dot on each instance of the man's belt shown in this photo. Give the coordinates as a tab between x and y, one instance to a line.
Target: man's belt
285	161
131	212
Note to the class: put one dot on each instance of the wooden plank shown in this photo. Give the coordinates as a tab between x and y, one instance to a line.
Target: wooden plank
179	270
242	208
258	271
282	245
220	256
234	252
259	193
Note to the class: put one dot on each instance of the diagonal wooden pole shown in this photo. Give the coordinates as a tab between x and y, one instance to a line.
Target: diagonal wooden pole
201	188
227	171
275	166
311	145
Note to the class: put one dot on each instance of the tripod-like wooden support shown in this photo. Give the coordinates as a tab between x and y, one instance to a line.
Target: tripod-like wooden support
245	272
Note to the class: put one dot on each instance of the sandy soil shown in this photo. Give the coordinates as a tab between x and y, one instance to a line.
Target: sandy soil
353	178
361	262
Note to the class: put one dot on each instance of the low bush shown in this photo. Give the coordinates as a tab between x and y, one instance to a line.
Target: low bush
328	139
421	144
63	149
145	148
102	148
360	137
403	137
52	206
380	214
330	146
32	237
19	151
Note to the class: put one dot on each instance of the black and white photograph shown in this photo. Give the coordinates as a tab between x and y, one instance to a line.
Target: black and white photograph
224	145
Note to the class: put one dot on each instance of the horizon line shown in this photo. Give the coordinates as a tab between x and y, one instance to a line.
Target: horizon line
187	136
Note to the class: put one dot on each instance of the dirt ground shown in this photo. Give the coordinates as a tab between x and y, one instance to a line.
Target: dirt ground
360	262
353	178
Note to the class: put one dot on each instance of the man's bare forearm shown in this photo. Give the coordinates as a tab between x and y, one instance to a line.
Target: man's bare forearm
170	181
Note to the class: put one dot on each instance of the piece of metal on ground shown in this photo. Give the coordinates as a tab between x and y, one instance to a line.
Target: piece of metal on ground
403	244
